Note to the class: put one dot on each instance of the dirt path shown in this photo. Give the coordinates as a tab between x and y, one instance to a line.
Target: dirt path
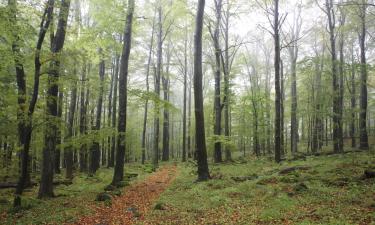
137	197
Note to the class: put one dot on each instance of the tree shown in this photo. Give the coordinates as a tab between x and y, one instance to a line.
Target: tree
363	137
123	80
24	115
337	123
46	181
293	55
95	148
157	88
217	98
147	89
203	172
276	27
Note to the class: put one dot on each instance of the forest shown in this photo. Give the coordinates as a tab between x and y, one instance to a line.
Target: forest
187	112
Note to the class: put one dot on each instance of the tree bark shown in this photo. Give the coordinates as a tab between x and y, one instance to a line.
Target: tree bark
337	148
111	160
95	148
147	89
217	97
203	172
184	106
157	90
24	115
123	82
165	77
46	182
68	151
276	36
363	137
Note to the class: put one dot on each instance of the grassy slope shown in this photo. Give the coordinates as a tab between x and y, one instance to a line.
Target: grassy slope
335	193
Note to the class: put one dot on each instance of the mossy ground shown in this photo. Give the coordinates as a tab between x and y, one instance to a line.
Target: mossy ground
329	191
70	202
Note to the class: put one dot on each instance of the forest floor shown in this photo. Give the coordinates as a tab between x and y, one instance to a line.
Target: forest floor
326	189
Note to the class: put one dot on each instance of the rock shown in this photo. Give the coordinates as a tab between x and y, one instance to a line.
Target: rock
367	174
159	206
131	175
123	183
116	192
103	196
269	180
245	178
300	187
110	188
294	168
134	211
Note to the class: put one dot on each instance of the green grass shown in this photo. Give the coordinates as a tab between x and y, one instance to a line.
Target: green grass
335	193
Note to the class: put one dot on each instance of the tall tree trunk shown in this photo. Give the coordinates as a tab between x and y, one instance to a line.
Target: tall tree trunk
228	154
165	77
203	172
95	148
111	160
147	89
157	90
341	80
184	106
46	181
282	147
189	147
24	115
353	100
123	82
217	97
109	121
336	92
293	114
68	151
83	119
59	131
363	137
276	36
317	101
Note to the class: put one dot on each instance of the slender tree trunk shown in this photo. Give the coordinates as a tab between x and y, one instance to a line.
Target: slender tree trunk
69	149
110	107
293	113
111	161
189	141
147	89
95	148
184	106
353	101
123	81
217	98
165	77
83	120
59	132
282	147
203	172
336	92
157	90
278	130
363	137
